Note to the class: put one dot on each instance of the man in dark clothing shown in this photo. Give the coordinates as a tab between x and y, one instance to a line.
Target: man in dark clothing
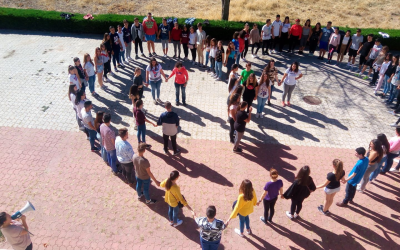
170	122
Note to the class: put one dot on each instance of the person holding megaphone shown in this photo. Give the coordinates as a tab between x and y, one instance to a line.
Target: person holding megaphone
16	233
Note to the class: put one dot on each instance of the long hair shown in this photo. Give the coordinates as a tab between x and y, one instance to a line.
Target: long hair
138	103
397	59
253	76
208	40
233	100
338	168
297	67
238	90
95	54
86	60
378	148
309	23
390	55
232	83
383	139
315	27
286	18
214	41
303	176
151	63
71	90
229	50
79	95
246	188
172	176
105	38
268	67
99	119
264	73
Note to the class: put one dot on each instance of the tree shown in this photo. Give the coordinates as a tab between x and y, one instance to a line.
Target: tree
225	9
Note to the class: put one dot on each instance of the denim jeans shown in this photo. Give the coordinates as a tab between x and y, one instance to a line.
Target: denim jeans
122	56
112	160
260	103
389	162
386	84
244	220
92	137
155	86
218	69
229	64
91	81
173	213
141	131
115	57
209	245
177	87
103	150
374	174
393	93
146	185
207	57
237	57
350	193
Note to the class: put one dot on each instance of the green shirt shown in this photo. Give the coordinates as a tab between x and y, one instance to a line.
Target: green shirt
245	74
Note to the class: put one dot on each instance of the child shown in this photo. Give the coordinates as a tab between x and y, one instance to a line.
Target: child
213	50
164	32
141	122
266	37
370	57
73	78
207	43
376	65
334	41
241	40
271	191
236	42
210	229
89	70
106	62
382	71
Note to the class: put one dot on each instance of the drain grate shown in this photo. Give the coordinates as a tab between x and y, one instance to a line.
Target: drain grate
312	100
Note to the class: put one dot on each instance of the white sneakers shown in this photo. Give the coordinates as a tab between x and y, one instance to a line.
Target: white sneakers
394	170
259	115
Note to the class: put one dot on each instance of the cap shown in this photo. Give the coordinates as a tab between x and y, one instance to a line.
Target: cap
297	20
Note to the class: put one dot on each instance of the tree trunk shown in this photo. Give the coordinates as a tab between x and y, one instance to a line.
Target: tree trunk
225	9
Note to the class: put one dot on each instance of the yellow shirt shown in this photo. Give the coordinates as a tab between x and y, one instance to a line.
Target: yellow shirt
243	207
173	195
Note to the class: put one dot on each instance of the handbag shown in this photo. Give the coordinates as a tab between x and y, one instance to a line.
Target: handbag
180	205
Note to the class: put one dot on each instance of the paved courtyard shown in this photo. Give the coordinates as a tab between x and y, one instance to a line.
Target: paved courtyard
80	205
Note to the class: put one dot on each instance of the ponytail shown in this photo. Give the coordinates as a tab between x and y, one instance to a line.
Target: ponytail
338	168
172	176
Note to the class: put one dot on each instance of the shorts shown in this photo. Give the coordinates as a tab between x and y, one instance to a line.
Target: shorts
362	60
150	37
352	52
323	45
100	69
164	43
369	62
331	191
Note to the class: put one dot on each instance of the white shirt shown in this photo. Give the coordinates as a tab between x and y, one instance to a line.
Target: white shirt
213	50
89	69
345	40
291	75
263	89
121	38
192	38
73	97
384	67
277	25
154	72
267	32
74	80
200	36
286	27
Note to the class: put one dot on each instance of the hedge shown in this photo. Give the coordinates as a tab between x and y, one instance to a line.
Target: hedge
40	20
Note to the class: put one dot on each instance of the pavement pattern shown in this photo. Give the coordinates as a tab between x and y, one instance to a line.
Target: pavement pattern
81	205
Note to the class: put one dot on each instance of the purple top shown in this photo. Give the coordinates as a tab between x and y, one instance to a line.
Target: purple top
273	189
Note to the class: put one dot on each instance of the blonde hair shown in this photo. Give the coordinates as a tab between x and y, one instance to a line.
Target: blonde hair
85	59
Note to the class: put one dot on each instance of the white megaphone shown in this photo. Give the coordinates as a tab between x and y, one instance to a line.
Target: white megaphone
28	207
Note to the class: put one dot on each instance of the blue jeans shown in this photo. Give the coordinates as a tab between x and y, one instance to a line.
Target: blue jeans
386	84
374	174
177	87
350	193
91	81
237	57
173	213
155	86
207	57
146	185
389	162
141	131
218	69
272	88
393	93
122	56
112	160
103	150
92	137
244	220
209	245
260	104
229	64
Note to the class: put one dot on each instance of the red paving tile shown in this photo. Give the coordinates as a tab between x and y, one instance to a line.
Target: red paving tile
81	205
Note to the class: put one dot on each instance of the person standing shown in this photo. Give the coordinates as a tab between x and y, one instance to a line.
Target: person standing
213	51
122	58
390	72
233	103
375	155
356	43
332	185
242	117
169	121
382	71
15	232
230	59
250	91
295	34
81	73
106	54
354	177
153	76
108	137
276	32
246	41
73	77
245	73
377	64
289	81
284	34
174	198
254	38
125	155
150	30
143	174
137	33
141	122
97	123
385	147
272	72
263	91
334	41
301	188
127	40
99	66
176	36
393	151
305	36
372	55
270	196
88	122
116	48
88	66
193	44
344	47
219	59
266	33
324	39
243	207
185	41
181	80
314	38
200	44
164	33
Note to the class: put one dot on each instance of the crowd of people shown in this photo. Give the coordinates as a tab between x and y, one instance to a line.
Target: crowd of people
243	90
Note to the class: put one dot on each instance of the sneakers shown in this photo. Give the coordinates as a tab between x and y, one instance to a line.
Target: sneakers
366	77
257	115
178	151
143	55
295	215
174	56
289	215
238	232
238	150
184	104
393	170
136	57
178	223
150	55
95	149
261	115
274	51
254	56
360	191
176	103
158	100
263	220
165	151
321	209
165	55
151	201
140	197
154	54
154	101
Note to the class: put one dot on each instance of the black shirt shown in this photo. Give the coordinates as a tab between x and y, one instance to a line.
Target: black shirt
81	72
367	46
138	80
218	55
299	192
240	124
334	183
249	93
390	70
315	35
127	35
114	40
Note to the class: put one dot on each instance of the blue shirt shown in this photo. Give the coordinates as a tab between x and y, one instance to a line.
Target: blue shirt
164	35
326	34
236	42
359	169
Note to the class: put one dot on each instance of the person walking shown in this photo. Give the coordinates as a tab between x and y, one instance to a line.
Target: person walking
295	34
137	32
276	32
284	39
263	91
272	72
174	198
88	66
181	81
164	33
153	76
242	117
150	29
385	147
324	40
332	185
254	38
169	121
305	36
141	122
314	38
266	34
15	232
375	155
354	177
243	207
88	122
250	91
272	189
108	137
233	103
97	123
143	174
289	81
200	44
127	40
301	188
125	155
176	36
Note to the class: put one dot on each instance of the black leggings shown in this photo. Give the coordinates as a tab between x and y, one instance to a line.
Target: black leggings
293	42
269	206
138	43
313	45
185	49
193	51
246	48
252	48
231	132
266	45
275	41
107	68
296	206
283	40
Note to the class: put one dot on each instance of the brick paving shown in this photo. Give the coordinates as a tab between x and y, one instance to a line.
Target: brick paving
81	205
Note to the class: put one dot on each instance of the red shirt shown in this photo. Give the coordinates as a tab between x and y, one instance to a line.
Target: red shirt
176	34
150	27
296	30
181	75
241	45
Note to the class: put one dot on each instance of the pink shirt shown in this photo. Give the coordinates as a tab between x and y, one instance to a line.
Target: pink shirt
334	39
107	135
394	145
